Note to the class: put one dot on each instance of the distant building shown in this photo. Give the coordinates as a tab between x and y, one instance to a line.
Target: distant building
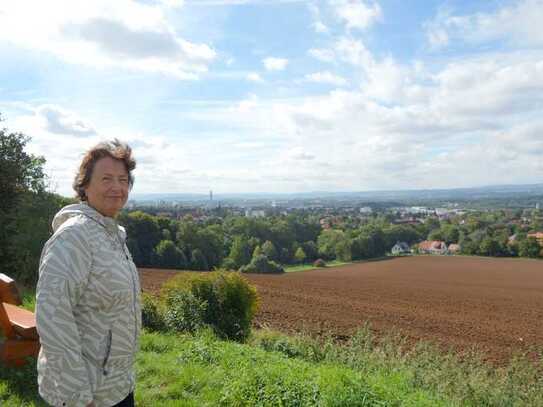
433	247
255	213
538	236
454	248
366	210
400	248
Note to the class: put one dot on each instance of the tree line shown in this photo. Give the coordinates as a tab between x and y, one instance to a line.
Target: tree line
238	242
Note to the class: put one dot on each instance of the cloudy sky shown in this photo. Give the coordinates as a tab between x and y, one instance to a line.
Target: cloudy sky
281	95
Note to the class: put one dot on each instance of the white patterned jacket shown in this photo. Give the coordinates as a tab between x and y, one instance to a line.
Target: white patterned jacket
88	311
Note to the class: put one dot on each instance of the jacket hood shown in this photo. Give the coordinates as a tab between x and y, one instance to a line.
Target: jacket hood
83	209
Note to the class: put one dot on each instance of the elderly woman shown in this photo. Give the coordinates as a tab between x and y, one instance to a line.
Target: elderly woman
88	296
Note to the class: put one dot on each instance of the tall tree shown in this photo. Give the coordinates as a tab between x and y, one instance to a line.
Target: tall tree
21	178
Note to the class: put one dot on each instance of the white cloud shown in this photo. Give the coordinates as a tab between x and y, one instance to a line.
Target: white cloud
275	64
353	51
317	24
101	34
320	27
60	121
172	3
519	24
254	77
326	77
298	154
357	14
324	55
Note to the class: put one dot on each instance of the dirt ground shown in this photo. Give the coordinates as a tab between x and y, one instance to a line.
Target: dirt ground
494	305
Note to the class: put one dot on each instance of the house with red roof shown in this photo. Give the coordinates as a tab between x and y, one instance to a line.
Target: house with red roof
433	247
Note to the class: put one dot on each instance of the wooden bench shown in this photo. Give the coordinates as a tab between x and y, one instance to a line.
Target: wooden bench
18	326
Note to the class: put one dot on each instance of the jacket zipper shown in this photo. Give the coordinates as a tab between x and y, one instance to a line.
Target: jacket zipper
108	351
134	293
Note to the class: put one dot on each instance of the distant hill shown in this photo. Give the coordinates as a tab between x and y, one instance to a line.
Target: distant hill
475	193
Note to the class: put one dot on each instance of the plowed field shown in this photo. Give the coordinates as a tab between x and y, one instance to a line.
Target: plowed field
495	305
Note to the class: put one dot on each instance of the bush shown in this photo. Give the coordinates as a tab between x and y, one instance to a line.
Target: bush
185	312
261	264
225	301
319	263
151	313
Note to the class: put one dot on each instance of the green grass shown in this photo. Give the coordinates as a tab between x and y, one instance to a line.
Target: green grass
306	267
273	369
277	370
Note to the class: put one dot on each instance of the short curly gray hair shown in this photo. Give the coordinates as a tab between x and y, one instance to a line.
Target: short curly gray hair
114	149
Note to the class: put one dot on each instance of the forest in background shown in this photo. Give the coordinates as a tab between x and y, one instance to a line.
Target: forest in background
238	242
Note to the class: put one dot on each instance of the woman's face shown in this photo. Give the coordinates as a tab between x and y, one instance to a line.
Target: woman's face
107	190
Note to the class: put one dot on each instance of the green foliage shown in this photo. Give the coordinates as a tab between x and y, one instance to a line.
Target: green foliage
229	264
424	370
490	247
257	252
240	253
198	261
225	301
152	314
145	233
269	250
169	256
261	264
344	250
529	247
300	255
400	233
26	209
327	242
200	370
311	250
185	312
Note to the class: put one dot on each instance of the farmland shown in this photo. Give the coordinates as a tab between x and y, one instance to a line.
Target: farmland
493	305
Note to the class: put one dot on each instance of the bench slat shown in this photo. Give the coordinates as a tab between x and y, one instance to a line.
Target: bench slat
22	321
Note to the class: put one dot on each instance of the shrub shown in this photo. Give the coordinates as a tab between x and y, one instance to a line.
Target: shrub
261	264
319	263
151	313
223	300
185	312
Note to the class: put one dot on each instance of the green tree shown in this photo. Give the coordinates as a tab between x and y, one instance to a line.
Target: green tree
257	252
170	256
145	233
269	250
311	250
198	261
489	247
327	242
436	234
25	208
300	255
261	264
450	233
240	252
529	248
344	250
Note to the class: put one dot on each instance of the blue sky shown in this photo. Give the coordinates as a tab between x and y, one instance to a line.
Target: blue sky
282	95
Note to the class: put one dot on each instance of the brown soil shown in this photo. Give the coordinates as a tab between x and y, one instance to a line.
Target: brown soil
494	305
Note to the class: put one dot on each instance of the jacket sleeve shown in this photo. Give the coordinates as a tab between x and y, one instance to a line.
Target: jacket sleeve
64	269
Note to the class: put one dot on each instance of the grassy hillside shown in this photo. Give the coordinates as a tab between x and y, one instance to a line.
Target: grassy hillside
276	370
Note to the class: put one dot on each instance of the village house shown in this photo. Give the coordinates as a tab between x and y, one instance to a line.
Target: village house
433	247
400	248
454	248
538	236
